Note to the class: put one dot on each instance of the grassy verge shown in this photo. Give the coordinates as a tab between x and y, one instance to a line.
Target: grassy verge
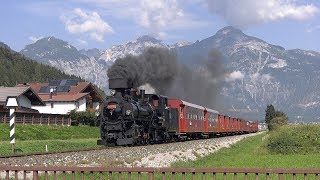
39	146
295	139
45	132
34	138
251	153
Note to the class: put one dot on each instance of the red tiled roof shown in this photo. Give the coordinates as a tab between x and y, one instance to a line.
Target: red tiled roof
36	86
62	97
74	94
79	88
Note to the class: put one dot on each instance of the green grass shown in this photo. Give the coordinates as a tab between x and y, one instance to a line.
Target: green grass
39	146
295	139
34	138
45	132
251	153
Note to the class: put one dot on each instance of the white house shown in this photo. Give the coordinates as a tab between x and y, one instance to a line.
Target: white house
62	96
26	99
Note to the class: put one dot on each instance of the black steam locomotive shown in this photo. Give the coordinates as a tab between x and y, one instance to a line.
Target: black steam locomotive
132	118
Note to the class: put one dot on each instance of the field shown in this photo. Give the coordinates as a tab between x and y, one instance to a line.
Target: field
252	153
288	147
34	138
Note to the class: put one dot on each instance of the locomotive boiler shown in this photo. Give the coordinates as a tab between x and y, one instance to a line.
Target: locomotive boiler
132	118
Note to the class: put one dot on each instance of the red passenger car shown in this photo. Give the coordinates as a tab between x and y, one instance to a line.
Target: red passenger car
191	116
211	122
196	121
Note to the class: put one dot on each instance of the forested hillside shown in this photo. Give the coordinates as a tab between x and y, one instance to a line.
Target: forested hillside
16	68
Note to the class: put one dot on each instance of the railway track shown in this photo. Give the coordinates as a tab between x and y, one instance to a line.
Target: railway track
48	153
93	149
157	155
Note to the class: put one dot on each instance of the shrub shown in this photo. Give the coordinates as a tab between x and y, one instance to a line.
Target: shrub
275	118
277	122
294	139
85	118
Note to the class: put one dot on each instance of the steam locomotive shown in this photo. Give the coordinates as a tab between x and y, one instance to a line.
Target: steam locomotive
130	117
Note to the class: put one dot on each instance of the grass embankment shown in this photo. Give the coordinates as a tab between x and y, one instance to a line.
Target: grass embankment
286	147
253	153
299	139
34	138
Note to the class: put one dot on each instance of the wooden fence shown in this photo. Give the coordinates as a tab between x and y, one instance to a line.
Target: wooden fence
36	118
35	173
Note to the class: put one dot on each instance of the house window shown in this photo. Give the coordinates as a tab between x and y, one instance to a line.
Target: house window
51	105
77	105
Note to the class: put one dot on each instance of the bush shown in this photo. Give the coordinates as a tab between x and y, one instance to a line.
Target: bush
294	139
277	122
275	118
85	118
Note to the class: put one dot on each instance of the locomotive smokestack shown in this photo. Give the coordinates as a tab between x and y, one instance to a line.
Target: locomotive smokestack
142	92
119	83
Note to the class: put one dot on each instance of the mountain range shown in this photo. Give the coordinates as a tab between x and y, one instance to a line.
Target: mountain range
259	73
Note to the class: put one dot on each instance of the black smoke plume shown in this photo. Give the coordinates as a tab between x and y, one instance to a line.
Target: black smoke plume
161	69
156	66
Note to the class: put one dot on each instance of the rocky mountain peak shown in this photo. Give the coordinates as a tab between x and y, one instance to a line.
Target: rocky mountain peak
147	38
230	31
3	45
94	52
181	44
133	48
51	48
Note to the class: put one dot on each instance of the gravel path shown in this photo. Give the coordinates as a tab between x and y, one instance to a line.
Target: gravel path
160	155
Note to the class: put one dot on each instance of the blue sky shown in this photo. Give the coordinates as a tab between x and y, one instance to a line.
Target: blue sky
103	23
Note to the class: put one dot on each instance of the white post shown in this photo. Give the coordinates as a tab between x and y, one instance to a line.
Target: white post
12	103
12	128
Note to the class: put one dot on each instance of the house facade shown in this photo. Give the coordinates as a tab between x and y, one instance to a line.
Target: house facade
63	96
26	97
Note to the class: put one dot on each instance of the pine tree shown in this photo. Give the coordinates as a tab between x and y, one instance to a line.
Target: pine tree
270	114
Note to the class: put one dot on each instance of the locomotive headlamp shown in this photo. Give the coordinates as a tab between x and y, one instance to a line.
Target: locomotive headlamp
128	112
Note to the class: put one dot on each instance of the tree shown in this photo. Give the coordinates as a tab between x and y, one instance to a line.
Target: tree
270	113
275	118
278	121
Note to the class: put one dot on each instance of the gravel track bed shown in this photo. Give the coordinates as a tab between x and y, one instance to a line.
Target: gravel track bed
159	155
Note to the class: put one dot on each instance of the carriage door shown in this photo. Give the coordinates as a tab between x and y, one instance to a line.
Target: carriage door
173	119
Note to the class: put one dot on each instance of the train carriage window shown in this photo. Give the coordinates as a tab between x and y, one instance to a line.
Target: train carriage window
181	109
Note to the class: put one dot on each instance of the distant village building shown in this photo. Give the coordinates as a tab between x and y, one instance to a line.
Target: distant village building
27	98
63	96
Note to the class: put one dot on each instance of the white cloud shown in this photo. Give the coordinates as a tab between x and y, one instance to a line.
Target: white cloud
243	13
235	75
34	39
90	23
82	42
158	17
